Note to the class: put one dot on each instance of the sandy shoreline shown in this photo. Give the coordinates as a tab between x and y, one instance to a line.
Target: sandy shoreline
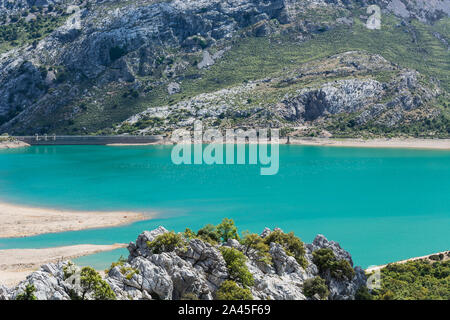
20	221
13	144
16	264
412	143
439	144
445	253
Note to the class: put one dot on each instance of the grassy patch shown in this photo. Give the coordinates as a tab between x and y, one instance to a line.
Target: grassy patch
22	32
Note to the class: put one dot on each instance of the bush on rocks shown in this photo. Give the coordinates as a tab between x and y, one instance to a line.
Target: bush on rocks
28	294
253	241
209	234
229	290
291	244
315	286
227	230
166	242
92	282
236	266
325	260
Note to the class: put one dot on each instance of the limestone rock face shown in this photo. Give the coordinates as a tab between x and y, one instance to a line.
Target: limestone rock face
140	247
281	281
320	242
112	46
48	282
196	269
208	260
339	289
384	103
333	98
199	269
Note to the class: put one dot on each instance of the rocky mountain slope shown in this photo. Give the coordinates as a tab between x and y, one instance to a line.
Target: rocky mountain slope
165	265
309	66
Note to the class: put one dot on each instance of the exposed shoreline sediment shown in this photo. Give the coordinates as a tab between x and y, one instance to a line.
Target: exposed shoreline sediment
16	264
13	144
407	143
440	144
21	221
446	255
410	143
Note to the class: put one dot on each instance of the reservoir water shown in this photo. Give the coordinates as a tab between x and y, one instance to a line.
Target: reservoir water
381	205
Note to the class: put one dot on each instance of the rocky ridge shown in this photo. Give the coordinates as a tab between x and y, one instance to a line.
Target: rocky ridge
112	49
349	85
197	270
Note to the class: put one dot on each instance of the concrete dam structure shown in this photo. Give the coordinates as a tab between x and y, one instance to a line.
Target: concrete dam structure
88	140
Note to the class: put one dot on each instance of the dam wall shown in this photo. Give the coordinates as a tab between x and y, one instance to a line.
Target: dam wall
88	140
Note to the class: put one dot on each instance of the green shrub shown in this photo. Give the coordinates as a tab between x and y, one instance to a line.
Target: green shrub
342	270
69	270
229	290
325	260
291	244
92	282
199	40
314	286
236	266
189	296
256	242
128	272
363	293
28	294
120	263
189	234
209	234
227	230
166	242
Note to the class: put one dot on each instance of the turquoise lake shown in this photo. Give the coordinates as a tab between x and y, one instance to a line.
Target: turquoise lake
381	205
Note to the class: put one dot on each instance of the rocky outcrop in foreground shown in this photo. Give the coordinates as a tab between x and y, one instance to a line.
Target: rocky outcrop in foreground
196	269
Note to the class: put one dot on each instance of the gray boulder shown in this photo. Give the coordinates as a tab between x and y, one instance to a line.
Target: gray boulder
4	292
140	247
283	280
340	289
48	282
209	260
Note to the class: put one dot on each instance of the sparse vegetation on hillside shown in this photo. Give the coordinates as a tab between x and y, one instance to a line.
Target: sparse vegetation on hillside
277	54
291	244
235	261
326	261
315	286
22	31
415	280
229	290
28	294
166	242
